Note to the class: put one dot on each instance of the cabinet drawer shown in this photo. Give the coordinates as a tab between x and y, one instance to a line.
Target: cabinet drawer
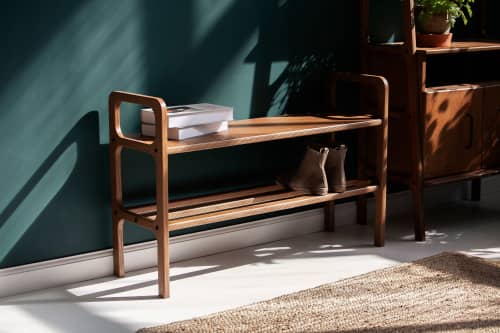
491	126
452	130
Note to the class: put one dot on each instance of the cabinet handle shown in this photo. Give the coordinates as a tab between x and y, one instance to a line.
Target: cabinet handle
471	131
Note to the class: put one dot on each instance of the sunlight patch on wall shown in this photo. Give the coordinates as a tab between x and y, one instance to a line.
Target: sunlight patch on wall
206	14
64	79
234	82
278	69
36	201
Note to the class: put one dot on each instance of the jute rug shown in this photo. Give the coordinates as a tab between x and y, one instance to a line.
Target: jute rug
448	292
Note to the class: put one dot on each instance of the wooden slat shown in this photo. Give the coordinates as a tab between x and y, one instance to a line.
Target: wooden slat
217	202
136	144
215	198
145	222
263	208
233	204
462	176
256	130
208	199
145	215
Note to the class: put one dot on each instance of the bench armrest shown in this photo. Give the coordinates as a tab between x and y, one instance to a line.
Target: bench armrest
378	83
115	131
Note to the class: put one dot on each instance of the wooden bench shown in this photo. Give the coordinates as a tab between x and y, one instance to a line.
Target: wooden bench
165	215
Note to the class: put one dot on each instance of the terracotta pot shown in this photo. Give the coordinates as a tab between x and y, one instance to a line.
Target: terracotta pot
434	40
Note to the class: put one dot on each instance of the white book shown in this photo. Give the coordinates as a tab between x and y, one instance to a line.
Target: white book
182	133
191	115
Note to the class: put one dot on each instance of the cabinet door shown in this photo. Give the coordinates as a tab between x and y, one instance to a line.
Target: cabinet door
491	127
452	130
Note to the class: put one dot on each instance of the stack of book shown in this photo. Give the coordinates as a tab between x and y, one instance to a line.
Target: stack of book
189	121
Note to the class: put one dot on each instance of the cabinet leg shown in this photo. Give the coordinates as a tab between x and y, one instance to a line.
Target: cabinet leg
380	216
118	261
475	194
163	263
330	216
361	207
418	203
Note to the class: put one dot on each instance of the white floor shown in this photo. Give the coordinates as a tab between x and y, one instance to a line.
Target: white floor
209	284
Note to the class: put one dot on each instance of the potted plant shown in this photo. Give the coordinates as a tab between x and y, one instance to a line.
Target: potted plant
435	18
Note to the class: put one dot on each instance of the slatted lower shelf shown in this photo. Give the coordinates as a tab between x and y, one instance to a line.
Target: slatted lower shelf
229	206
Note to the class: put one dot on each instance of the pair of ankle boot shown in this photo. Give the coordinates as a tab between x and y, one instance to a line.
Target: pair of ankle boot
321	171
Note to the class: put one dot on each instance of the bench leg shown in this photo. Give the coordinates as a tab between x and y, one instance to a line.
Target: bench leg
118	261
418	203
163	263
381	174
380	216
330	216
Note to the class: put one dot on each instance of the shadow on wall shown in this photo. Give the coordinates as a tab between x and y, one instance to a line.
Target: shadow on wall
297	47
283	43
200	42
491	28
61	61
287	48
56	207
17	54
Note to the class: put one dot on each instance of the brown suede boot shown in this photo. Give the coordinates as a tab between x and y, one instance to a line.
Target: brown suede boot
310	177
335	172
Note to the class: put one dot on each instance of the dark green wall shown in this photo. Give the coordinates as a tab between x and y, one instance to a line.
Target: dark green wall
490	18
60	59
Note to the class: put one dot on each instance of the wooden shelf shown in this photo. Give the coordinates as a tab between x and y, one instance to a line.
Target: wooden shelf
456	47
463	176
462	86
461	47
229	206
256	130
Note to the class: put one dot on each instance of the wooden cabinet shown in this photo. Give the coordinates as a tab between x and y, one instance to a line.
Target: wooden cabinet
444	113
452	130
491	126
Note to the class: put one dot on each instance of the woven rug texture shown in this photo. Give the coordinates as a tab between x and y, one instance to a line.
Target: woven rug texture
449	292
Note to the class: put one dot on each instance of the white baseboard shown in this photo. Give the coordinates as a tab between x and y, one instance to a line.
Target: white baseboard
52	273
